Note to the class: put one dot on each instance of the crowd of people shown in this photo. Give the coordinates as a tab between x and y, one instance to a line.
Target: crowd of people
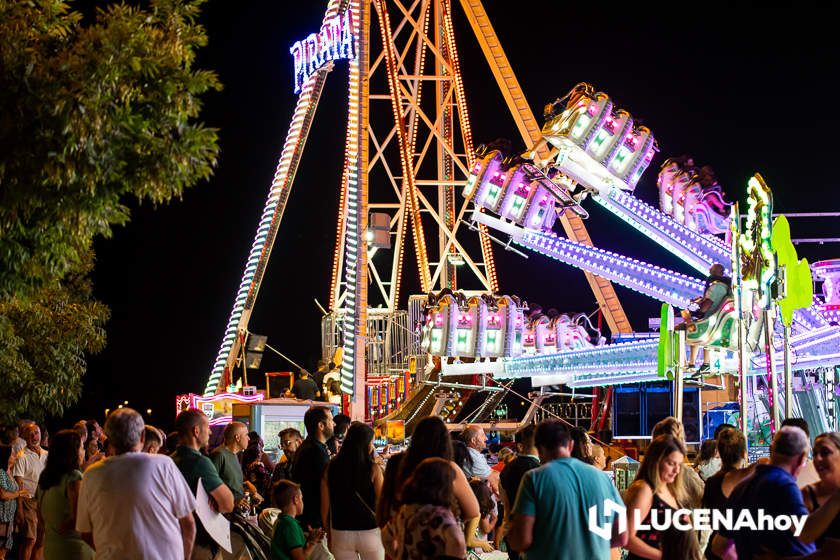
130	491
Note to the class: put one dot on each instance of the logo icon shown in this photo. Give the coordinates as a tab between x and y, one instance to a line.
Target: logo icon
604	530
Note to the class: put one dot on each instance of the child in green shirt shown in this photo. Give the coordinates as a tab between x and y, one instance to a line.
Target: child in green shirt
289	542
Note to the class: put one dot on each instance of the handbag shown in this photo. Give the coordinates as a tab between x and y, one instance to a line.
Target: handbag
320	551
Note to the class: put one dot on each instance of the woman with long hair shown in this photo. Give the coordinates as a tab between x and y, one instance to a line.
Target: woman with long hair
732	449
461	456
350	488
708	461
425	528
93	449
58	496
255	472
488	511
690	481
655	490
430	439
821	498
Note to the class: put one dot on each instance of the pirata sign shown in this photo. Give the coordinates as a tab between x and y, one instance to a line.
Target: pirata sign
335	41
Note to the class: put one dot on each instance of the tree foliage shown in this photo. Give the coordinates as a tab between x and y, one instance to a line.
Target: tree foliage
96	110
44	338
91	115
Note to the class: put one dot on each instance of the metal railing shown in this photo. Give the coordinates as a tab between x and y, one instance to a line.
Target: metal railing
390	340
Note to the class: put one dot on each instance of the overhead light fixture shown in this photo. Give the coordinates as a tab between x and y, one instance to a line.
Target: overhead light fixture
256	342
455	259
253	359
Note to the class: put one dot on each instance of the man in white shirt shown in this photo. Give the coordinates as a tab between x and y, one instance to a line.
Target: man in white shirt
133	505
29	462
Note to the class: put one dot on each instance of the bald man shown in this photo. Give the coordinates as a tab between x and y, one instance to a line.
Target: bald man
476	441
225	460
772	489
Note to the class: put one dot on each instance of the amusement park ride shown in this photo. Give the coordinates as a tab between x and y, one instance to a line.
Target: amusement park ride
414	166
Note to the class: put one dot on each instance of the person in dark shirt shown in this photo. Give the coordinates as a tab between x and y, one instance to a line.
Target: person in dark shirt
527	458
349	491
193	434
772	489
342	423
304	388
732	448
311	460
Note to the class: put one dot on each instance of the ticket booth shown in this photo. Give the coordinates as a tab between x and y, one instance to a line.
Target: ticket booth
270	416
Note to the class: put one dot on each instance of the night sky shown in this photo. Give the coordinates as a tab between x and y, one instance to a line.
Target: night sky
741	89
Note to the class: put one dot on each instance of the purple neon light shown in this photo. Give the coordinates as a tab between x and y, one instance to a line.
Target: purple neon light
698	251
653	281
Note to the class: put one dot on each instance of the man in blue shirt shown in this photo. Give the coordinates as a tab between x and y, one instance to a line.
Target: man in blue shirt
771	488
552	512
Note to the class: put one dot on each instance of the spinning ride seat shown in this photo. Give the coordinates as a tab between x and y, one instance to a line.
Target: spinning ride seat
709	220
665	184
633	156
604	147
596	146
551	342
495	329
541	213
535	335
829	272
484	167
579	339
581	120
719	330
469	325
516	201
682	197
529	340
492	189
514	324
441	326
479	327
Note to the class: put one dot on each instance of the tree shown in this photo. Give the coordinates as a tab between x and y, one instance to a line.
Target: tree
95	110
90	115
45	338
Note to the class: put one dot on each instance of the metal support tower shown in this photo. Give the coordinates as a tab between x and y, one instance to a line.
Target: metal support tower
420	154
410	165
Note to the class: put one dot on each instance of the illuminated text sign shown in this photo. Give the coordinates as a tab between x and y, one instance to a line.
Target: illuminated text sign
335	41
